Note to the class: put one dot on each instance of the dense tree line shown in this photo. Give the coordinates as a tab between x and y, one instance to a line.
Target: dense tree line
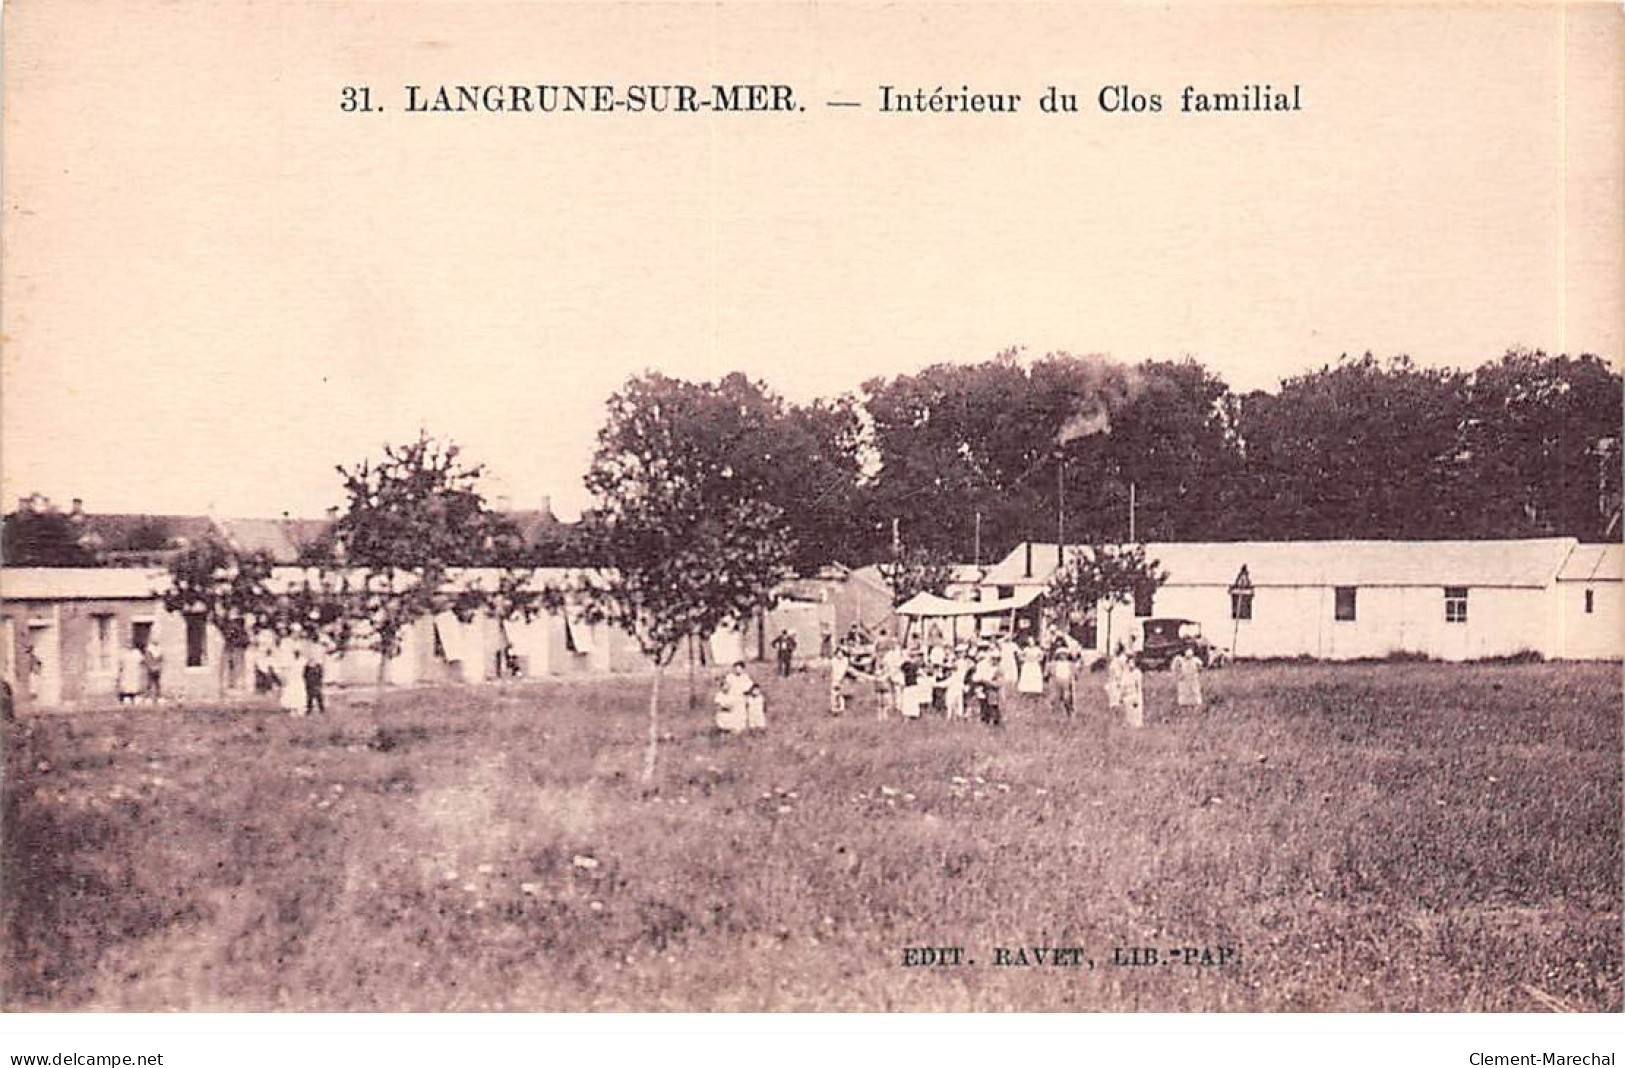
965	460
1525	446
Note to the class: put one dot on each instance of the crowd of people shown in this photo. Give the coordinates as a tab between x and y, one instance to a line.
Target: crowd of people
961	680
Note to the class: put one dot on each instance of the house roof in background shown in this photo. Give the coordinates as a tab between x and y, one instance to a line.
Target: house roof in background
282	538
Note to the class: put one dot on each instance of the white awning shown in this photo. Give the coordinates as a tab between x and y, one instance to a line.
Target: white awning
929	605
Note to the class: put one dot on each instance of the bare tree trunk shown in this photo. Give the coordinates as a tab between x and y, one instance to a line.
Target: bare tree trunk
652	750
693	696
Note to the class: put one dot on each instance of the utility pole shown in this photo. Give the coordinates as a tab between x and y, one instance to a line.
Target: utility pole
978	560
1060	510
1131	489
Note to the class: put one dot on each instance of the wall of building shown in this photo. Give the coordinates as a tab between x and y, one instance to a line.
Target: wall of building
1598	634
77	655
1292	621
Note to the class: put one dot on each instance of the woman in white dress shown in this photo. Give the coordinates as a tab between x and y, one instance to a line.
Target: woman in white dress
1188	679
1030	683
1009	663
732	717
1133	684
292	670
1114	678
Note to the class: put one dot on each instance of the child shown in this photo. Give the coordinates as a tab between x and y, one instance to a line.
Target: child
313	685
755	709
839	666
986	681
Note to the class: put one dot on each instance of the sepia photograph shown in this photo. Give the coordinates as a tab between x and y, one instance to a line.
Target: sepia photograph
812	508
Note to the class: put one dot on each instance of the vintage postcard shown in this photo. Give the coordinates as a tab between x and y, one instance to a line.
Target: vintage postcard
839	507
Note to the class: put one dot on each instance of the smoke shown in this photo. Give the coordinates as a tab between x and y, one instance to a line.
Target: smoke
1084	423
1098	388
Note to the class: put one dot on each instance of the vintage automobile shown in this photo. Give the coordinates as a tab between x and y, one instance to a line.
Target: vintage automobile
1166	638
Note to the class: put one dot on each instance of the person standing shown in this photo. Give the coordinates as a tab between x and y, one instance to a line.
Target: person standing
732	715
889	675
826	639
314	670
1114	678
132	674
1009	661
953	694
292	698
839	667
1188	679
785	646
153	657
1030	683
755	709
1133	684
1063	674
987	685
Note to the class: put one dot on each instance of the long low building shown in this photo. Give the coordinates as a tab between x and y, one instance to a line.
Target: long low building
62	631
1346	600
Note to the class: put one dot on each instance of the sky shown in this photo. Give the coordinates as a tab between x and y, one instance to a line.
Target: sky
217	285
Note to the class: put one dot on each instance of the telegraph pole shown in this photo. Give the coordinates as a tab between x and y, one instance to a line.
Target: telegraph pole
1060	509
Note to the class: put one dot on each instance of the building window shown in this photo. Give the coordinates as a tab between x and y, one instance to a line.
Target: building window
101	642
141	633
1455	604
1144	598
1241	605
197	634
1590	601
1344	609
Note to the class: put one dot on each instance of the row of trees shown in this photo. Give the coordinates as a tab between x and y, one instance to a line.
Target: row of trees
963	461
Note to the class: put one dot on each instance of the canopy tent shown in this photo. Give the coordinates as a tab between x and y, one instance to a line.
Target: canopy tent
931	606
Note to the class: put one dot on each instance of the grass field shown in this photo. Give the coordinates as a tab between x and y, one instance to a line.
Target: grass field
1372	837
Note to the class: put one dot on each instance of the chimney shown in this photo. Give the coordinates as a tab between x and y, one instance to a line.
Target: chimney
547	505
78	506
333	513
1029	571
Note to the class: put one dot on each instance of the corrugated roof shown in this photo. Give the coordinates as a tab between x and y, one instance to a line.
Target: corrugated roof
1594	563
1525	563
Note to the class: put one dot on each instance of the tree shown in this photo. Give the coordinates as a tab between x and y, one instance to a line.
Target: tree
413	519
1101	574
686	542
1539	448
230	590
1362	449
44	538
917	570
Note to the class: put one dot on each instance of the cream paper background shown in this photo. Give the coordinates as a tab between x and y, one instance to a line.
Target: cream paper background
217	285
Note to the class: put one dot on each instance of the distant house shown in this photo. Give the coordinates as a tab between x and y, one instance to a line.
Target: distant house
285	539
1341	600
